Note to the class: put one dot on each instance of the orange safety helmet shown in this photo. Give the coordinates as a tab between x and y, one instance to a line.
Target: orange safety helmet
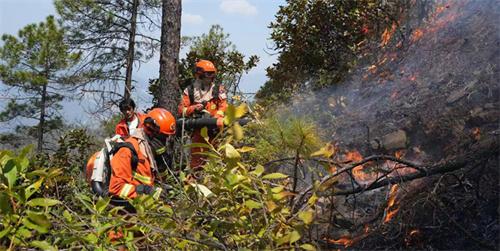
203	66
161	121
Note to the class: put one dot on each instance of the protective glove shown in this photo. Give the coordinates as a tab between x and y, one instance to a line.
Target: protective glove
143	189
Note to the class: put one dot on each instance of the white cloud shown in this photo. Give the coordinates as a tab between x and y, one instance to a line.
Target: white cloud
191	19
242	7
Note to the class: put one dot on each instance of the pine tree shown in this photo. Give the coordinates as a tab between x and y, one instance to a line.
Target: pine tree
114	34
37	64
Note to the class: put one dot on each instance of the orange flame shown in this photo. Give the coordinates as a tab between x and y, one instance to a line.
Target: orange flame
353	156
392	195
357	172
476	133
392	209
416	35
400	153
344	240
390	214
387	34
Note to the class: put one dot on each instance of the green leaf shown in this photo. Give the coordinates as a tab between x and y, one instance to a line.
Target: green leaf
308	247
102	204
252	204
202	145
237	131
43	202
231	153
294	236
273	176
246	149
23	164
91	238
10	172
5	231
24	232
5	207
283	240
229	115
203	190
312	200
233	179
306	216
204	133
258	170
43	245
33	188
277	189
240	110
37	221
281	195
67	216
327	151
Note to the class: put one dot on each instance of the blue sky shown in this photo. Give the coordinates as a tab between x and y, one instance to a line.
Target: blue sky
245	20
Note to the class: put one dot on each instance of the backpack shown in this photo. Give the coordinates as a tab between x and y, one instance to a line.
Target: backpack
99	171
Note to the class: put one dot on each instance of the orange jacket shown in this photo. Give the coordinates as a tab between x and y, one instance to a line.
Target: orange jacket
215	106
124	180
122	127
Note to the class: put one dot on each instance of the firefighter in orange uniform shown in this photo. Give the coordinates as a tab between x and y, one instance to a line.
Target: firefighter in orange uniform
203	98
131	119
149	142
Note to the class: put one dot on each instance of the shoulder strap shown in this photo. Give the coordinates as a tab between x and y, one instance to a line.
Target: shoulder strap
135	158
215	92
191	93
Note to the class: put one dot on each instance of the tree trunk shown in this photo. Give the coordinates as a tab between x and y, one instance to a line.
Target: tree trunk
130	51
169	95
41	123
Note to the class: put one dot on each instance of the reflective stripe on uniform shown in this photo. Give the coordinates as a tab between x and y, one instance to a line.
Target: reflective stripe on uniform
143	179
184	110
220	113
126	190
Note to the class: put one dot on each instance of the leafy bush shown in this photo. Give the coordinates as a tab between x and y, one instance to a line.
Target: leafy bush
234	205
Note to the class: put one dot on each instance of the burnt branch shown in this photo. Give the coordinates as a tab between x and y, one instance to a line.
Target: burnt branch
481	150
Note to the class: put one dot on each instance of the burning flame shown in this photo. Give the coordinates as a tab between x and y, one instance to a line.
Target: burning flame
437	20
353	156
400	153
357	172
476	133
392	208
416	35
387	34
344	240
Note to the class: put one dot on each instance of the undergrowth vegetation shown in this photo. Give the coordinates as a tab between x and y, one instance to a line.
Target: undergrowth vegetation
236	204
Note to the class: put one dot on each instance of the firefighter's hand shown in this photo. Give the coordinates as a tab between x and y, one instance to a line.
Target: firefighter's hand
198	107
143	189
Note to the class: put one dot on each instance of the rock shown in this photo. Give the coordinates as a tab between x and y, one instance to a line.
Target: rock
392	141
